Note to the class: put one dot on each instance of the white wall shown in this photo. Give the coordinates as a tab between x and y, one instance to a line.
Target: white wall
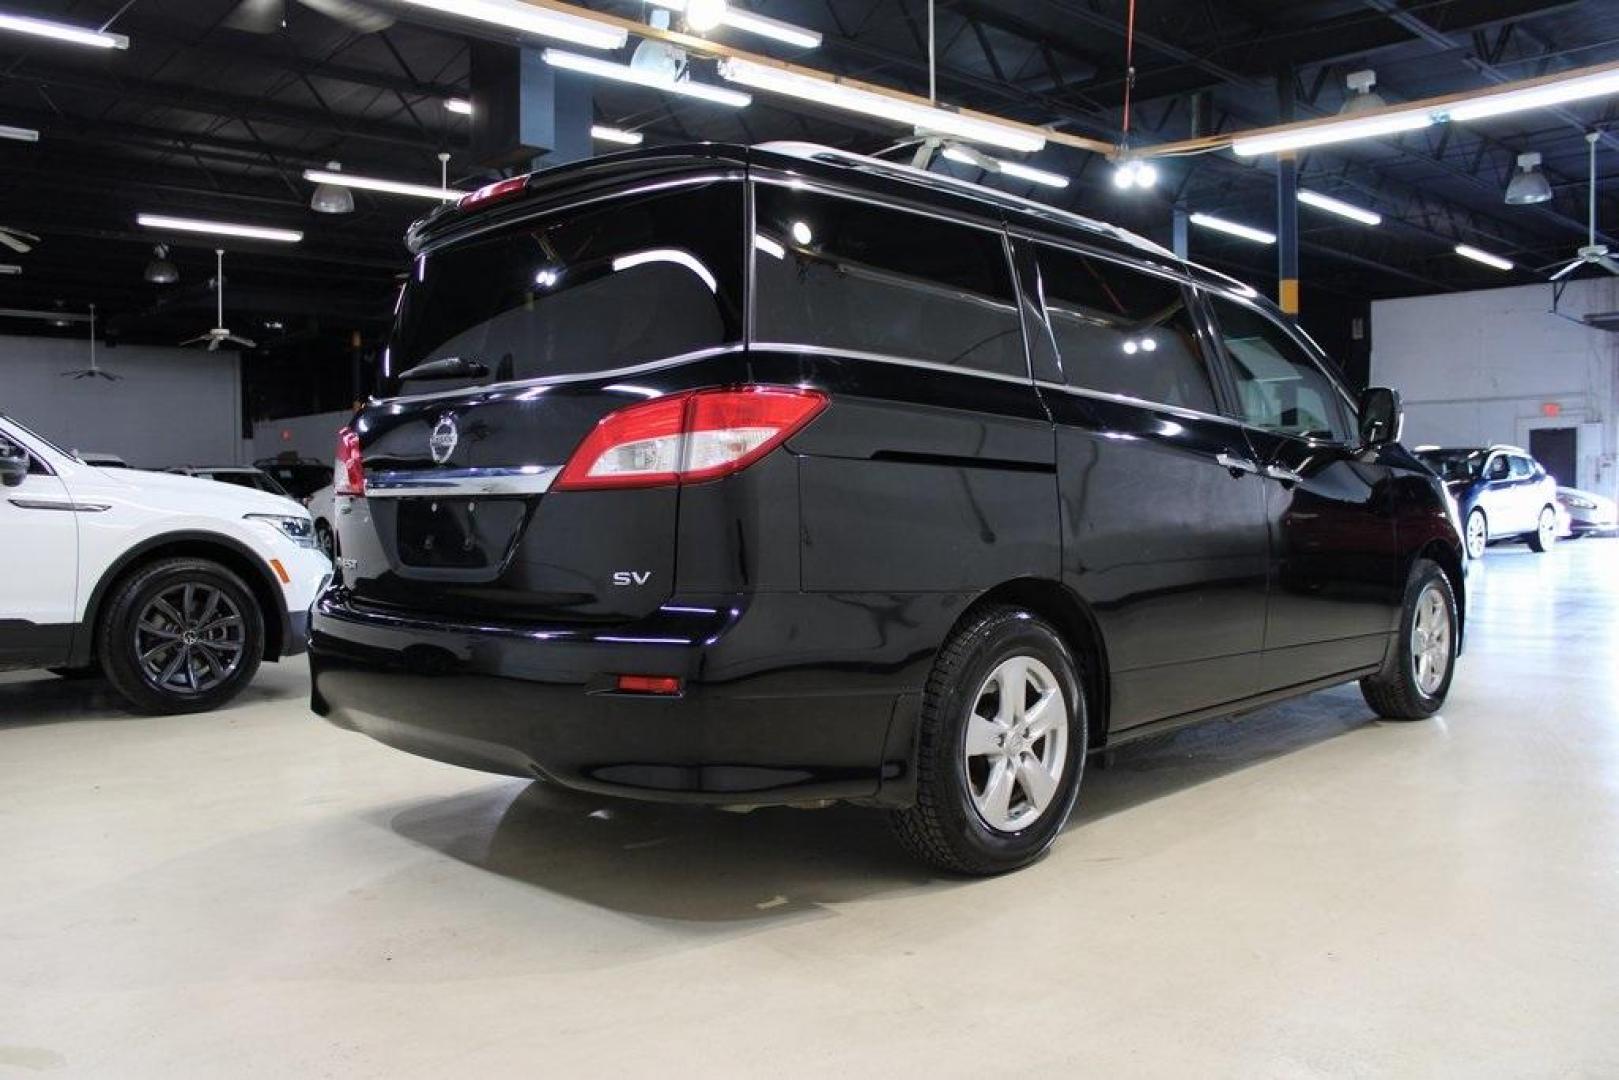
171	406
1479	367
308	436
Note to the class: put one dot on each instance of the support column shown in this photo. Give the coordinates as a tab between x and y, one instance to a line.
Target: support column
1287	206
1179	222
526	114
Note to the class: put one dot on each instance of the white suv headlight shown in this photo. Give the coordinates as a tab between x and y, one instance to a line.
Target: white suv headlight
300	530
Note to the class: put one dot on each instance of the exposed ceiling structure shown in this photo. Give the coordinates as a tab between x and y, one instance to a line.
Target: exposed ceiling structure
200	118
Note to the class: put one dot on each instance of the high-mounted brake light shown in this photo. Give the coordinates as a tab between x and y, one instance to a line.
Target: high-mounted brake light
687	438
349	468
500	189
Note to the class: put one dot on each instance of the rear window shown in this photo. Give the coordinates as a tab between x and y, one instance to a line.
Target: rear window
843	274
621	283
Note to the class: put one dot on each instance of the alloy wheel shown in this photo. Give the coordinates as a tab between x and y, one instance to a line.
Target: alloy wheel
189	639
1431	640
1016	745
1548	528
1476	536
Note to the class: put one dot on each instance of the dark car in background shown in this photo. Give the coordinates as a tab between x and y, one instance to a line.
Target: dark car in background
299	477
240	475
1501	493
778	475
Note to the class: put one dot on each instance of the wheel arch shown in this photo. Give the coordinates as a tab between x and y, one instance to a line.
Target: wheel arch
228	552
1074	620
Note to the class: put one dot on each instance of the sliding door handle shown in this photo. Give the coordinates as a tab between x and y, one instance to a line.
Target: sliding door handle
1286	476
1236	466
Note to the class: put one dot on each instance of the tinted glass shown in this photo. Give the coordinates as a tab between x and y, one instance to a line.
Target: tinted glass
621	283
1278	386
1123	331
1454	464
849	275
9	449
1522	468
1499	469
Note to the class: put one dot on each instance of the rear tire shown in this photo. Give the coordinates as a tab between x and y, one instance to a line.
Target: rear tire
325	538
1545	536
1412	685
997	773
180	635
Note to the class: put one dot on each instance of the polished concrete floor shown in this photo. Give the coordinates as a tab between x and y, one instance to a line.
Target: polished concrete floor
1307	892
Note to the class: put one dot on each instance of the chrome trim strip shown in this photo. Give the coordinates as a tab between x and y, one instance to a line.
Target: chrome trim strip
884	358
1126	399
564	380
54	504
463	483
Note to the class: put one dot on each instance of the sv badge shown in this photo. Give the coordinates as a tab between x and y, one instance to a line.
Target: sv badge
632	577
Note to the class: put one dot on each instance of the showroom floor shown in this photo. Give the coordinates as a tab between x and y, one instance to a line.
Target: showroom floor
1306	893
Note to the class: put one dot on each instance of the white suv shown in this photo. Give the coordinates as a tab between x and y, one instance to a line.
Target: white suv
174	588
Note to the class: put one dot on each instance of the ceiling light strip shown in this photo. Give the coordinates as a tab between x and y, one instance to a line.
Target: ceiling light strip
1364	127
590	65
391	187
529	19
218	228
65	32
459	106
604	133
1339	207
828	91
21	134
1468	251
763	25
1232	228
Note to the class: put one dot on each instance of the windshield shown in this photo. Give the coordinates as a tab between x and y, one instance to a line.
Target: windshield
1454	464
632	280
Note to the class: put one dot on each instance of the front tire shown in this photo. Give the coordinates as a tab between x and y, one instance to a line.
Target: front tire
1478	534
1417	671
1545	535
1001	749
180	635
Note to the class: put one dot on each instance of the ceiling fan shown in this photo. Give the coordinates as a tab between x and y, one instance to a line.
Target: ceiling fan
269	16
219	334
1593	252
93	371
17	240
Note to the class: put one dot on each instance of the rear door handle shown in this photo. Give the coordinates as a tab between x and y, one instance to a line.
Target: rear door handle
1286	476
1236	465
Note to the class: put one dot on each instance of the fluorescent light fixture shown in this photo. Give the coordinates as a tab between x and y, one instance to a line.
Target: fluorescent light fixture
836	95
616	135
459	105
9	269
589	65
56	31
515	15
674	256
785	32
1247	232
1339	207
18	133
218	228
1468	251
967	156
1535	97
392	187
1336	131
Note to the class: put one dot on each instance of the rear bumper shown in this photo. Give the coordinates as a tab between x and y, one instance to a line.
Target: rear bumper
766	714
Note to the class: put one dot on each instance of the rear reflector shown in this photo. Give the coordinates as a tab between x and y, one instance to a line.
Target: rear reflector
648	684
500	189
689	437
349	469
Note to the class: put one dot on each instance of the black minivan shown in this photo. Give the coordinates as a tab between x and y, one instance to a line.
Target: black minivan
779	475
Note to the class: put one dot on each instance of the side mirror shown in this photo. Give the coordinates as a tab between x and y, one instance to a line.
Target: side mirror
1381	417
13	469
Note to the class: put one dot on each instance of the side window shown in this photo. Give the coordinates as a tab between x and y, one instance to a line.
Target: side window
1498	468
843	274
1521	468
9	449
1123	331
1279	387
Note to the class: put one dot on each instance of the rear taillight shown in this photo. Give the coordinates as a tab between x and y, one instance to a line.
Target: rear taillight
686	438
348	471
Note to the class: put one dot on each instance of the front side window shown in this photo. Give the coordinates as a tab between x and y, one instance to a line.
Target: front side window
624	282
1522	468
1123	331
843	274
1279	388
1499	468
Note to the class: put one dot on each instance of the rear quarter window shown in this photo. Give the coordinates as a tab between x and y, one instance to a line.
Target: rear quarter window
845	274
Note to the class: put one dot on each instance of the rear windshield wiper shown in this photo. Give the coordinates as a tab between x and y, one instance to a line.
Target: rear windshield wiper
449	367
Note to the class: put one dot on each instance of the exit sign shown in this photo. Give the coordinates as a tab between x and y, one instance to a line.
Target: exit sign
1551	408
